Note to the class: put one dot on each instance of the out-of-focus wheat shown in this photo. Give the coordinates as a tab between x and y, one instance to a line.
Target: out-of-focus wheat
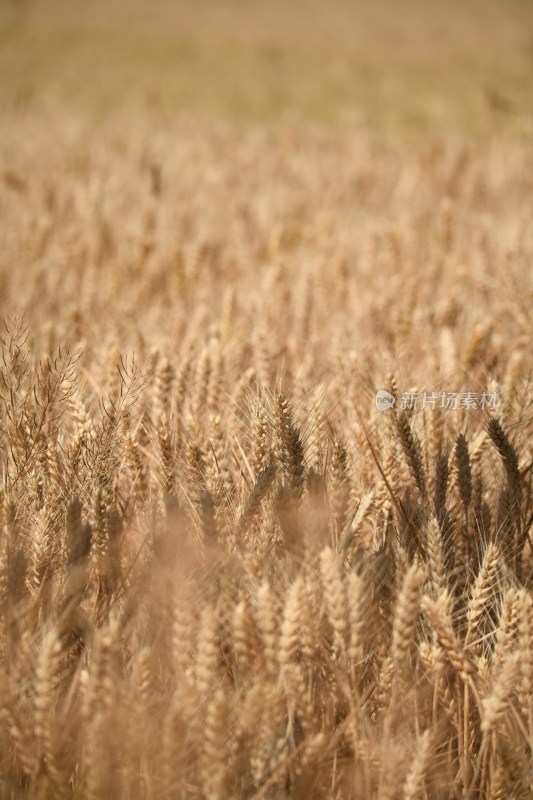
223	572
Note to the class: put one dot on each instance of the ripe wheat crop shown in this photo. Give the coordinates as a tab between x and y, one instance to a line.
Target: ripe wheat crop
224	573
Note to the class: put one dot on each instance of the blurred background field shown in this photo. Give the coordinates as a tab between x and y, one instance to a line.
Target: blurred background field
403	65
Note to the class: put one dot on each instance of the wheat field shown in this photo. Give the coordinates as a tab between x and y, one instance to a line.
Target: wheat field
224	572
